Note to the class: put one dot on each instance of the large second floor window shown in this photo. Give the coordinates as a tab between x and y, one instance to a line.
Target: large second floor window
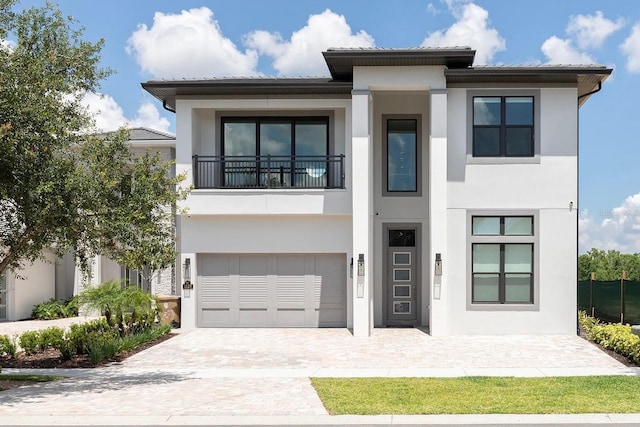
272	152
503	126
295	136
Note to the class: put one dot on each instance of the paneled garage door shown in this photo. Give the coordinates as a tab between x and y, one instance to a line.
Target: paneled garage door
274	290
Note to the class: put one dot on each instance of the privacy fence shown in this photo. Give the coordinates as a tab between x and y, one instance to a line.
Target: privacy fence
611	301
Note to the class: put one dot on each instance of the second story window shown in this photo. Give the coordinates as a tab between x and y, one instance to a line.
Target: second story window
503	126
301	136
271	152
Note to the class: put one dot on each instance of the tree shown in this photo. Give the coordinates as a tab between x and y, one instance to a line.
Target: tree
608	265
63	186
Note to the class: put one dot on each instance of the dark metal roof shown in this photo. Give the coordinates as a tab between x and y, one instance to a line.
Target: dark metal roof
167	90
341	61
457	61
586	77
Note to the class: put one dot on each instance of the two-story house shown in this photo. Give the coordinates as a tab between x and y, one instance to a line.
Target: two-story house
409	189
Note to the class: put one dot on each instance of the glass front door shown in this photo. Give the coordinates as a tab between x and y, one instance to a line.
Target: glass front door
401	277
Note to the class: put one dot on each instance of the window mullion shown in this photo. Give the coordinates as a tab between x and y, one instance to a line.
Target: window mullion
501	280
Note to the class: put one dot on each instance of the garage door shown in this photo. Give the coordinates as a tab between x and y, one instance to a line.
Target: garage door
274	290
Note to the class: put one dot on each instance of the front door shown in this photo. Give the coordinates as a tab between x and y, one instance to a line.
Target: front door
401	277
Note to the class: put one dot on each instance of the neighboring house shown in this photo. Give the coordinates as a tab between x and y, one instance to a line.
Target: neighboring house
21	290
410	189
61	278
102	268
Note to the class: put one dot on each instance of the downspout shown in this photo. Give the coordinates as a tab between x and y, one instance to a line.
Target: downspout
584	94
166	106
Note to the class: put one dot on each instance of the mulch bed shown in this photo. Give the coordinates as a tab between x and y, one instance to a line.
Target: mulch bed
52	359
620	358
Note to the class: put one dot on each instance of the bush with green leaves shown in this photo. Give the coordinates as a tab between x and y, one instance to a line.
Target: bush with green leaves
30	341
613	336
125	308
8	346
51	337
55	309
80	334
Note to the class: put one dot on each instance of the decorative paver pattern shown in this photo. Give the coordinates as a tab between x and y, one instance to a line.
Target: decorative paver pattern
265	372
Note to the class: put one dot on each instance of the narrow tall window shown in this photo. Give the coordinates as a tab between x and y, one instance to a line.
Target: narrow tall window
503	126
402	139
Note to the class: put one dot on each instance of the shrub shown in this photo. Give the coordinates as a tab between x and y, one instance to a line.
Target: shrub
80	335
613	336
55	309
8	346
123	308
29	341
51	338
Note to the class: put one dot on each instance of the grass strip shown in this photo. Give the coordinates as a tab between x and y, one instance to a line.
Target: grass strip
479	395
27	378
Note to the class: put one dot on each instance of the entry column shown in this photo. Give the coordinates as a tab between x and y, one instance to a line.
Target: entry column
438	210
362	212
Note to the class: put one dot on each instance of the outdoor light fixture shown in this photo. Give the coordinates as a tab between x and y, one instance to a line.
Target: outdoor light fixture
186	275
438	269
360	264
351	269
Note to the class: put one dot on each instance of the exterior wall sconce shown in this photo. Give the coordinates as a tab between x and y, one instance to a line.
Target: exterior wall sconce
186	275
360	264
438	266
351	269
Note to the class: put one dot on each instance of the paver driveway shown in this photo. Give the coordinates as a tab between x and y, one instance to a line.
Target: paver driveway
217	372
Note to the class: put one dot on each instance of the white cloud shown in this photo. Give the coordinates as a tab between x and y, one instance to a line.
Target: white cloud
590	31
109	115
631	48
302	54
8	44
470	29
189	44
618	229
561	51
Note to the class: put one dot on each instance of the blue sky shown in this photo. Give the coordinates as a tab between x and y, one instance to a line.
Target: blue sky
162	38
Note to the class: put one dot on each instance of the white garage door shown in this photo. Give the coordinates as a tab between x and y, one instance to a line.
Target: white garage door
274	290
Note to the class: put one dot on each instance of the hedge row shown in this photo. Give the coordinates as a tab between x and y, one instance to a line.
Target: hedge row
612	336
94	338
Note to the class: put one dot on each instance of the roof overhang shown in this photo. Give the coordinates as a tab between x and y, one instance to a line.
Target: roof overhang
167	90
342	61
588	79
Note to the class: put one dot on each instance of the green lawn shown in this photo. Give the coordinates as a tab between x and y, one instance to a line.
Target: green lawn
9	381
479	395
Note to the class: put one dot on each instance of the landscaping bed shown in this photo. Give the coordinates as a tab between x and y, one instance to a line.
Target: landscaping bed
51	358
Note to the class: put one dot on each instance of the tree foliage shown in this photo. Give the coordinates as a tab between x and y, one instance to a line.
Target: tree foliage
62	185
608	265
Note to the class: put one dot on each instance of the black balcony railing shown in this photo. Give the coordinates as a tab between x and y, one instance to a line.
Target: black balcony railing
268	171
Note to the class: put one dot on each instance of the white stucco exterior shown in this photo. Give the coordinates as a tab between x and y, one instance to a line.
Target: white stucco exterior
33	284
356	221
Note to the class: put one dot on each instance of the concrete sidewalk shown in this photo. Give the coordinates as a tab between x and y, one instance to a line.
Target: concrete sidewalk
261	376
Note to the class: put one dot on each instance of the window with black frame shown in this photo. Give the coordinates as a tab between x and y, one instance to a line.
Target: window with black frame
503	126
502	255
275	152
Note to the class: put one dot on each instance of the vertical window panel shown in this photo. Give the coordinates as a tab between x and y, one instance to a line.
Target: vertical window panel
240	139
275	139
487	110
486	258
519	110
518	258
402	155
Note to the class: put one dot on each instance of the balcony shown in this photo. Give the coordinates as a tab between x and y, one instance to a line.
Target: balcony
279	172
